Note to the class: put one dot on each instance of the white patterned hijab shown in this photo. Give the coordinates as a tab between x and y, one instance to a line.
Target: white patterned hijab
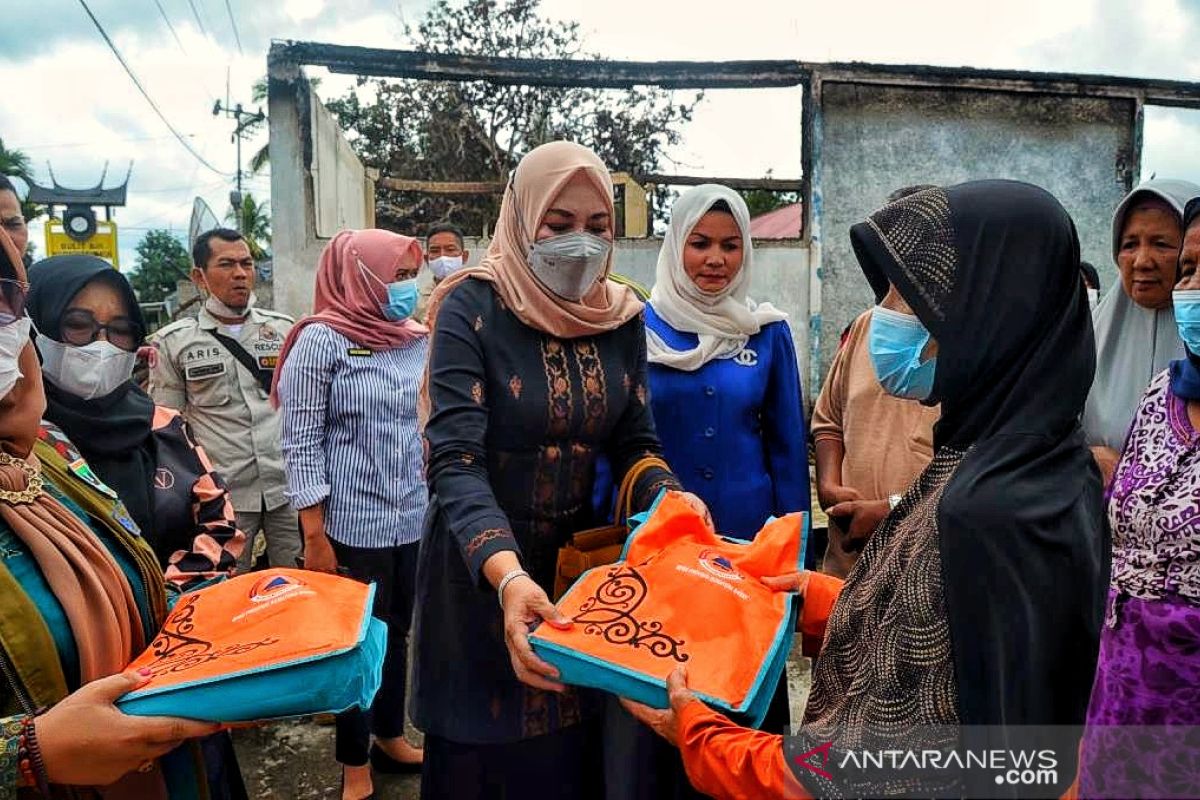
724	321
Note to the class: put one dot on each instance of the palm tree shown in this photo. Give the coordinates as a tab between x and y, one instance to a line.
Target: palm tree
258	96
15	164
253	219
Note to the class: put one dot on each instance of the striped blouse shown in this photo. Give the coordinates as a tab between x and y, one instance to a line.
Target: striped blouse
350	436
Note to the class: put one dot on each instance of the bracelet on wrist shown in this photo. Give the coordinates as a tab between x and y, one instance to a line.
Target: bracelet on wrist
508	578
29	758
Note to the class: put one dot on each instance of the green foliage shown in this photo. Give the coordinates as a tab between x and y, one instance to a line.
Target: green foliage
162	261
478	131
253	219
16	164
762	201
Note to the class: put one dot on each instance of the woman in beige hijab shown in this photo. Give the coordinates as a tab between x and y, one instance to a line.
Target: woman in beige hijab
537	367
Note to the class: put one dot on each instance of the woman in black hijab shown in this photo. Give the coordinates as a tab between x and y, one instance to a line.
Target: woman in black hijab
89	328
979	599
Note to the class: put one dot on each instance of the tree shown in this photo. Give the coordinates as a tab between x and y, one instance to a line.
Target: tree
258	96
162	261
253	219
16	164
762	201
478	131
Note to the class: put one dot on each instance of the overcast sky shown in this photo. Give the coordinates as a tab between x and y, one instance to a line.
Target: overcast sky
66	100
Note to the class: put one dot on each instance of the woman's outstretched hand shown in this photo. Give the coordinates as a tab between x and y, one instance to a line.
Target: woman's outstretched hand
87	741
526	604
665	722
791	582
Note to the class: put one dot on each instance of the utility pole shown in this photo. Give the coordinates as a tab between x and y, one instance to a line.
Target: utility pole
245	119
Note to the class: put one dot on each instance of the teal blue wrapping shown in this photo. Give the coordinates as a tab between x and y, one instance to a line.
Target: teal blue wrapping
330	683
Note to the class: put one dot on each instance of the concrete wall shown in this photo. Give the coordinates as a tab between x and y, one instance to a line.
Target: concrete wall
318	187
874	139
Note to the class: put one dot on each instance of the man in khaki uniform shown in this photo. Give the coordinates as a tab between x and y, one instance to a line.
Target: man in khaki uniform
217	370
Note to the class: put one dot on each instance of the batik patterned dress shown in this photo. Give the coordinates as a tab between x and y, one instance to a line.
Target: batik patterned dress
517	421
1148	675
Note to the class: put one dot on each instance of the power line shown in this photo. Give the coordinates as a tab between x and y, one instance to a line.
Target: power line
233	23
196	14
167	20
142	89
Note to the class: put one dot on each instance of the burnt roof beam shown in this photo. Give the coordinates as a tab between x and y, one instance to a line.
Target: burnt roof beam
536	71
602	74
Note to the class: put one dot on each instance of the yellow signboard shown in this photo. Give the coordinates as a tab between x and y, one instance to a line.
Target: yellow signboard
103	242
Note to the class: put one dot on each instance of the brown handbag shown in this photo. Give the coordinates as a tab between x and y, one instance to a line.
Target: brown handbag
596	547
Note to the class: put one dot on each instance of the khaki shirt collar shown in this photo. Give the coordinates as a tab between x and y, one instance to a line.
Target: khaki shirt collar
210	323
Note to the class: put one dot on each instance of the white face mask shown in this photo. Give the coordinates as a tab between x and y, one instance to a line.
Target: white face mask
1093	298
13	338
570	263
94	370
443	267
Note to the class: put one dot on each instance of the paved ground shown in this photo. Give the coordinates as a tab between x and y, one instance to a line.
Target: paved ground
294	760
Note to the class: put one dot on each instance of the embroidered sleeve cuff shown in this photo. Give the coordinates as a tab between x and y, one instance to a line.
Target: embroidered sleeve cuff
650	484
485	544
308	497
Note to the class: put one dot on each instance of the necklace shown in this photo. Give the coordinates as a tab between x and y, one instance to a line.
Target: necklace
33	482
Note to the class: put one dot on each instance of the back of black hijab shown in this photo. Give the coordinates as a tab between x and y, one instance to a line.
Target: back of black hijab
1024	542
112	432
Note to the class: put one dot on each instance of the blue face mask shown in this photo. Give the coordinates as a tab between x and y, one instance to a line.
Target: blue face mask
895	343
1187	318
402	300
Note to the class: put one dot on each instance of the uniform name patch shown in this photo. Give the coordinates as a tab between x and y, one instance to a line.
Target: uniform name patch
358	351
204	371
267	362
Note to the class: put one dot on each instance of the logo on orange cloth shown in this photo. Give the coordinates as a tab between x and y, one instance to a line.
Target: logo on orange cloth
273	585
719	565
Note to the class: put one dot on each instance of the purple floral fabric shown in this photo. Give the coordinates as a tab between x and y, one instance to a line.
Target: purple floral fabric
1148	678
1154	502
1143	723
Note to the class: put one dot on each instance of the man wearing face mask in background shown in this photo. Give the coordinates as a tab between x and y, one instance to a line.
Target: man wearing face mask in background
445	255
217	369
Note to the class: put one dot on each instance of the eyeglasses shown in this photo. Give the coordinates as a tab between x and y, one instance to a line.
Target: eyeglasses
13	224
12	300
79	327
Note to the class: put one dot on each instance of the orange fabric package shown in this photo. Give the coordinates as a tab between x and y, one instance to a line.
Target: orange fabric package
277	643
683	595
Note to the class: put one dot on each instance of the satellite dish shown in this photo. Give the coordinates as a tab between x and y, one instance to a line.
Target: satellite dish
203	219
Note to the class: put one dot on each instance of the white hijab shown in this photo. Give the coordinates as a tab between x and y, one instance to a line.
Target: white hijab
1133	344
724	321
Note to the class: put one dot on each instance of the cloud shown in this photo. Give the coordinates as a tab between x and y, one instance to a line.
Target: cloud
67	100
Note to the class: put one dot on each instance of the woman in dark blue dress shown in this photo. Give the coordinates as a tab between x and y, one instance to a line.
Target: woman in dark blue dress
537	367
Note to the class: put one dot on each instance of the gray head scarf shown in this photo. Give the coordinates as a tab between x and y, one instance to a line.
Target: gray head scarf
1133	344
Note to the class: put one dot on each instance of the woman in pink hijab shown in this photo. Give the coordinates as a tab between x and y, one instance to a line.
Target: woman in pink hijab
347	382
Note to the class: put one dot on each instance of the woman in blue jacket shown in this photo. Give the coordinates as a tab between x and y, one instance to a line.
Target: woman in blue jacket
725	393
724	383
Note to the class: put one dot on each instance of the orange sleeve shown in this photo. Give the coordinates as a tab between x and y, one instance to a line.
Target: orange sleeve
819	598
731	763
